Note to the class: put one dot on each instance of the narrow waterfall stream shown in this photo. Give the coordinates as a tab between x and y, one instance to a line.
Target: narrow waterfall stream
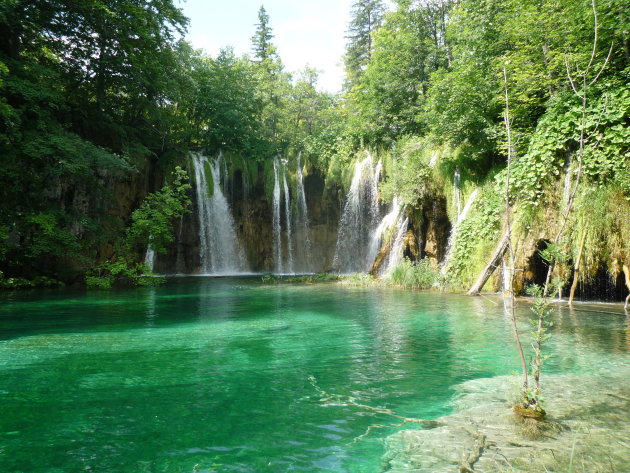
275	219
149	258
354	251
396	253
219	250
388	221
457	191
453	237
302	229
289	266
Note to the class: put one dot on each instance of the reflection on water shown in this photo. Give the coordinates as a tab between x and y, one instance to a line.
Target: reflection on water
211	374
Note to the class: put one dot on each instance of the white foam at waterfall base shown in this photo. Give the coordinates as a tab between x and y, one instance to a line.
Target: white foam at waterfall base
359	220
219	250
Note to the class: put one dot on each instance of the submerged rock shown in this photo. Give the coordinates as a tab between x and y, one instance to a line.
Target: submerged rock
586	430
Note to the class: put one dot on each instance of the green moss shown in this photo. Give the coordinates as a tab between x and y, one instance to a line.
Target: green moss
209	180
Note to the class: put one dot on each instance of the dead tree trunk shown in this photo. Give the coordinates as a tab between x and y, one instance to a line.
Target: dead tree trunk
576	270
495	260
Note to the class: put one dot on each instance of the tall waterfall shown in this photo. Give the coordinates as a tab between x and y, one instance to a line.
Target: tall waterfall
291	247
220	252
453	237
354	251
275	219
457	191
289	267
302	233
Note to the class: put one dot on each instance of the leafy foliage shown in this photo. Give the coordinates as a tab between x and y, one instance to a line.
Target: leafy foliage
152	222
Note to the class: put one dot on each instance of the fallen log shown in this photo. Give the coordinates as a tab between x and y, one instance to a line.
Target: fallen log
491	266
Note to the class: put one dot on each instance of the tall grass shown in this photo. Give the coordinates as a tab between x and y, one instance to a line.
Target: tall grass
416	275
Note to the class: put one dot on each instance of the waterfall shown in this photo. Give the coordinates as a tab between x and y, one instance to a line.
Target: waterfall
359	219
506	276
388	221
287	219
457	192
566	192
433	160
219	250
275	219
302	236
396	252
452	238
179	259
149	258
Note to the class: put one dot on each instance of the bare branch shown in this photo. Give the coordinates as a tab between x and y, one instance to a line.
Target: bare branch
566	62
603	65
590	62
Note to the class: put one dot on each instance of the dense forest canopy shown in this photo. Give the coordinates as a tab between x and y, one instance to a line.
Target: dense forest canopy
96	92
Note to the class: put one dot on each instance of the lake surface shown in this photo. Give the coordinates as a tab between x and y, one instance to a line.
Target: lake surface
226	375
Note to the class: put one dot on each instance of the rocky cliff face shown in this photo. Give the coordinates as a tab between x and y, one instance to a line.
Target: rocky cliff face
252	212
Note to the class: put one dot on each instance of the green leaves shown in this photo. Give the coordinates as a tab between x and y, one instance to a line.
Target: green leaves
152	223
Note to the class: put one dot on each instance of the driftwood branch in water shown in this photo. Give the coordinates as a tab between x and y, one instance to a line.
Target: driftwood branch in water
491	266
467	463
346	401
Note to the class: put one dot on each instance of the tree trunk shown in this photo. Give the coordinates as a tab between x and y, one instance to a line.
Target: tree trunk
491	266
576	271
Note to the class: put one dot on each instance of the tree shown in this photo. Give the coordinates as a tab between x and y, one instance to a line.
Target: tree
90	90
391	93
367	16
262	46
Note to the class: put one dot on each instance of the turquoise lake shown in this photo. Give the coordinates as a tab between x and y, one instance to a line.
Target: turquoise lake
222	374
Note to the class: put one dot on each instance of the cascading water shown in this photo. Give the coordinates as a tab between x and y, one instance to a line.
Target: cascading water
457	191
567	181
360	217
219	250
179	258
453	237
275	219
396	252
287	219
149	258
388	221
302	234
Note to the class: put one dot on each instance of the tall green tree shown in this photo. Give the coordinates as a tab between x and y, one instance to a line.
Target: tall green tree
367	16
86	86
391	93
272	84
262	45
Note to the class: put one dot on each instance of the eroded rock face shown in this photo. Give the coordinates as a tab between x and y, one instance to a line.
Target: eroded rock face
435	229
252	214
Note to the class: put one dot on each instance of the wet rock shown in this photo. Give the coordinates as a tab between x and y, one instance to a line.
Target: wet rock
586	427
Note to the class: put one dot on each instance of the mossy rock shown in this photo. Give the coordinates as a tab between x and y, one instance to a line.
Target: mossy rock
529	412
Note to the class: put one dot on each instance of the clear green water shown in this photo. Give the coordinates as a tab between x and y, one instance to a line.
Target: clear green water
211	375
